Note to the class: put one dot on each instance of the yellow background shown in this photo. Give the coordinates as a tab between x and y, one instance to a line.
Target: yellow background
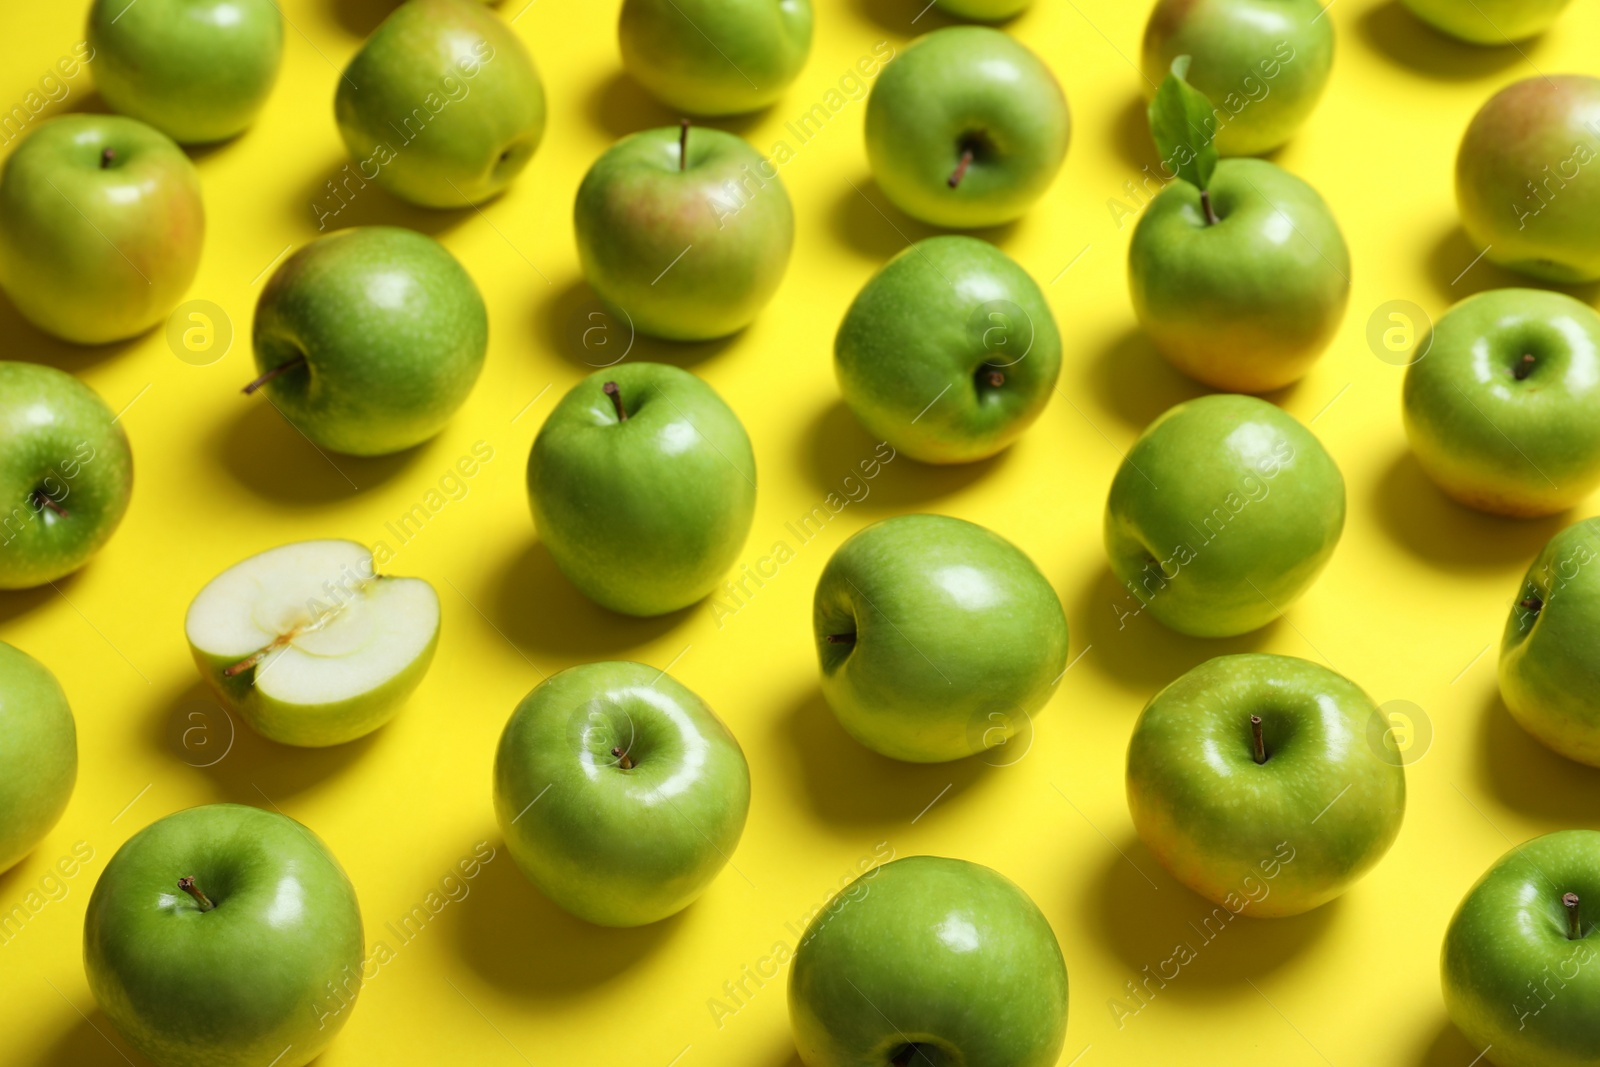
1409	606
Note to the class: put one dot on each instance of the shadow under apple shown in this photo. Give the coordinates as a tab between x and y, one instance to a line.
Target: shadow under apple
1405	40
513	936
90	1041
620	106
265	453
15	603
1131	139
25	342
1455	269
1449	1048
360	17
1418	516
909	17
864	220
837	445
317	210
1131	380
575	324
1524	775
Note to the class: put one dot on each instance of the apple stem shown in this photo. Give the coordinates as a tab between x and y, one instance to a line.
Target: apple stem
623	759
1574	924
107	157
683	144
297	361
841	639
611	390
188	886
961	168
45	500
1523	368
1205	205
1255	735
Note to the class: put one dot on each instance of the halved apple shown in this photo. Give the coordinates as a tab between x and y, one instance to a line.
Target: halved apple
309	645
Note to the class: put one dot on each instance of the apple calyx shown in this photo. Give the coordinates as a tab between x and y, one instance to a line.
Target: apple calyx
683	144
1260	754
297	361
624	760
615	393
42	499
1524	367
1574	923
107	157
841	639
1532	603
188	886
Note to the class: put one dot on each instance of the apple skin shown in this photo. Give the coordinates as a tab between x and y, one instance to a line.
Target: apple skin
961	88
715	57
1513	982
491	112
1237	500
983	10
1221	824
1526	185
57	438
684	252
237	985
94	253
914	350
1239	47
1549	659
1525	446
393	332
197	70
956	635
646	515
1249	303
1491	22
38	753
619	846
947	955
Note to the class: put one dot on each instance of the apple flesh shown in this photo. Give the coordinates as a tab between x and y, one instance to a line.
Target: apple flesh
101	226
620	793
715	57
1526	180
258	962
949	352
1518	962
38	753
928	960
1490	22
66	474
197	70
309	645
1250	778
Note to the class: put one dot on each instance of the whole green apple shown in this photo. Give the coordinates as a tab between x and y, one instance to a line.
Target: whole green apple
643	487
197	70
38	753
1222	513
369	339
1549	653
1492	22
1503	413
100	227
1250	778
684	232
1515	960
982	10
1524	184
65	474
715	57
309	644
1262	63
928	960
966	128
937	639
949	352
442	106
620	793
224	936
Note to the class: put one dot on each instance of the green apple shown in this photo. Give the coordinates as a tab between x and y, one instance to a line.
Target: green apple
1238	272
966	128
929	961
442	106
1504	411
1549	653
982	10
1251	779
197	70
100	227
309	645
1222	513
369	339
224	936
715	57
1493	22
620	793
643	487
685	233
65	474
1262	63
1514	959
937	639
1524	184
38	753
949	352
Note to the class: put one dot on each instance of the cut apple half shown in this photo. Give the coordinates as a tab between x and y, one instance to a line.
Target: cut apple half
309	645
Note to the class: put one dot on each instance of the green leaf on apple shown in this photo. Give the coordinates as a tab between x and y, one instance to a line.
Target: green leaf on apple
1182	125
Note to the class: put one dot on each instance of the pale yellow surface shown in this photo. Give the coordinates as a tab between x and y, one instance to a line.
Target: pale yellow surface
1409	607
